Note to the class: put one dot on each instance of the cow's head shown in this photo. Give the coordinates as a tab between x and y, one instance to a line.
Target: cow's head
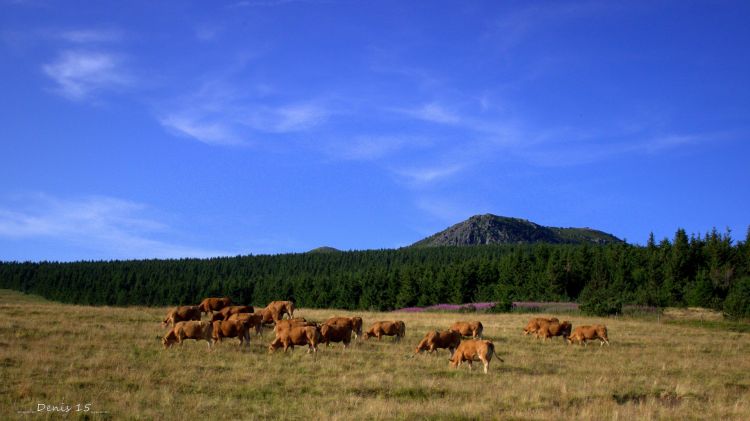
454	360
168	340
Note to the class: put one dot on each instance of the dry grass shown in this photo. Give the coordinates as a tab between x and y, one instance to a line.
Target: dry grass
693	313
112	358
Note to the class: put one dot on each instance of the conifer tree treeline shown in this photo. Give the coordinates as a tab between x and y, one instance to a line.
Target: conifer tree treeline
708	271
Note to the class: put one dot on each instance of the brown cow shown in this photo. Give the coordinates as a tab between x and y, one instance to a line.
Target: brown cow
473	328
297	321
225	312
279	308
188	330
336	333
231	329
268	316
581	334
533	324
181	314
551	329
253	320
474	350
434	340
354	322
289	308
389	328
209	305
289	335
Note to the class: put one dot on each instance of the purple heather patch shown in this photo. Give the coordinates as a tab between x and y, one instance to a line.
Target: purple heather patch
551	305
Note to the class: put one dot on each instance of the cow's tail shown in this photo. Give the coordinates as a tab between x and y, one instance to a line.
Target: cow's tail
492	348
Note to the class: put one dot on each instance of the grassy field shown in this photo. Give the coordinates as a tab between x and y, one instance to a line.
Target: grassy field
112	359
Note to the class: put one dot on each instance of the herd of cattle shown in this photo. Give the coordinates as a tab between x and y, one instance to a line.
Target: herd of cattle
232	321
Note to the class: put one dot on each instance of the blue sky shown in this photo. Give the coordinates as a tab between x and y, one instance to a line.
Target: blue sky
175	129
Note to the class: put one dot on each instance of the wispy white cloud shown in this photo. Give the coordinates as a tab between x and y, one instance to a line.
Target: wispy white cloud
80	73
512	28
487	136
103	225
432	112
447	210
369	148
598	145
217	114
673	141
423	175
284	118
90	36
207	32
209	132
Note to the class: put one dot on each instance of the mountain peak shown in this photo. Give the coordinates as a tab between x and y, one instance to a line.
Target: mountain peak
493	229
324	249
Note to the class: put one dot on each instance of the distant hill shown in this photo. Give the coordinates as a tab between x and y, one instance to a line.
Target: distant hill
324	249
493	229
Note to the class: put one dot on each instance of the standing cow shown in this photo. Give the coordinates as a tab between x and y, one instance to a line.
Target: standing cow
473	328
551	329
181	314
290	334
188	330
388	328
275	310
472	350
581	334
535	322
209	305
354	322
434	340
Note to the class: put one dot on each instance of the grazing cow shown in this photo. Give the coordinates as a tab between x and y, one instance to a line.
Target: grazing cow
474	350
225	312
209	305
287	323
188	330
289	308
533	324
181	314
357	326
444	339
231	329
267	316
289	335
390	328
279	308
472	328
581	334
336	333
253	320
354	322
551	329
